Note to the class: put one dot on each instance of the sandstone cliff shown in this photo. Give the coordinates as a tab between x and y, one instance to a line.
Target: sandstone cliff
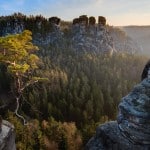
131	131
83	34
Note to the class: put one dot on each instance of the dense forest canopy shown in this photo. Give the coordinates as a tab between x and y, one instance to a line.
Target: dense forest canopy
82	91
16	55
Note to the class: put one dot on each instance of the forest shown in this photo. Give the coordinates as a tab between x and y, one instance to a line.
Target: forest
81	91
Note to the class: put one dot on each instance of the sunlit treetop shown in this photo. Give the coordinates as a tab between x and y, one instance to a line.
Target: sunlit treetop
16	51
16	54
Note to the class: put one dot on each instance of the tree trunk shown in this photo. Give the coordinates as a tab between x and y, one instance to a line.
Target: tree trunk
16	111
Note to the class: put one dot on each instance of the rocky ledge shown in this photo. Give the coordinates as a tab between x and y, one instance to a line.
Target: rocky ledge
7	136
131	131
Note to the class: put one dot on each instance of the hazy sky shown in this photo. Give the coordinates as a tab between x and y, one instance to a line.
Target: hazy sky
117	12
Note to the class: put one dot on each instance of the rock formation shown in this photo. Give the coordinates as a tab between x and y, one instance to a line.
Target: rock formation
7	136
92	20
75	21
146	71
54	20
83	35
101	20
54	36
87	36
131	131
83	20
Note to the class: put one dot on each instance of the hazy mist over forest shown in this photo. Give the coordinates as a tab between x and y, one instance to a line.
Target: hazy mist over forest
141	35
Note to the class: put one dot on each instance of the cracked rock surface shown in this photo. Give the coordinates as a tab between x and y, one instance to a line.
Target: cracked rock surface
131	131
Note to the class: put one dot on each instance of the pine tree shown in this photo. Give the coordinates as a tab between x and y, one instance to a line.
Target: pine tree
16	53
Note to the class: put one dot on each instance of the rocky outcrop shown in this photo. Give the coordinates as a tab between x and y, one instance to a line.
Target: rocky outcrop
54	20
83	34
146	71
131	131
7	136
45	31
52	37
87	36
102	20
48	32
134	114
92	21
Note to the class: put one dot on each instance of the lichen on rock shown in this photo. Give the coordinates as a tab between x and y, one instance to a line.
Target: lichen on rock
135	114
131	131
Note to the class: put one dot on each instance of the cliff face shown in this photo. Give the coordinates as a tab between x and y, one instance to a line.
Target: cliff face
83	34
131	131
92	38
7	136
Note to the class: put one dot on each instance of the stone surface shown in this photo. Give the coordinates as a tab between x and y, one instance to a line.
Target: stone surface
131	131
109	137
134	114
92	20
84	35
54	20
83	20
54	37
102	20
92	38
146	71
7	136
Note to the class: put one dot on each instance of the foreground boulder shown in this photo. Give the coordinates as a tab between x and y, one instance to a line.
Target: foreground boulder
131	131
7	136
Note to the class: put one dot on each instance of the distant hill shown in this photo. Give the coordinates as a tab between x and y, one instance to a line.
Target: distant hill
141	34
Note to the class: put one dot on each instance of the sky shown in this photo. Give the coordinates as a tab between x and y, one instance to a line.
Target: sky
117	12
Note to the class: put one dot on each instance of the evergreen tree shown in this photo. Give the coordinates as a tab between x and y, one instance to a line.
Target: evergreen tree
16	53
